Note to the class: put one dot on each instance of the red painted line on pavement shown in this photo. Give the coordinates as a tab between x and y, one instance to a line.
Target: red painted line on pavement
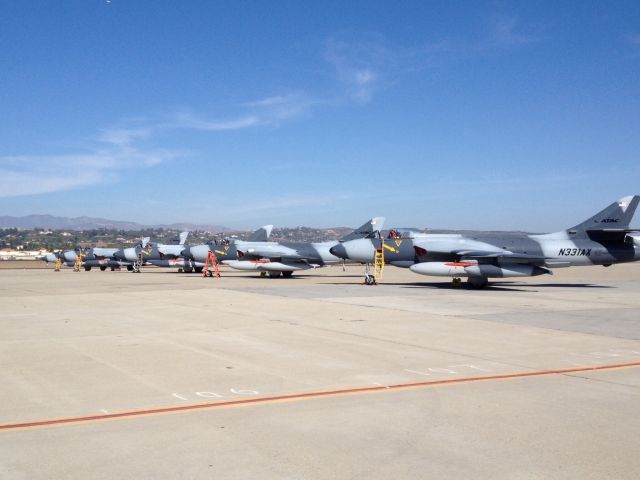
305	395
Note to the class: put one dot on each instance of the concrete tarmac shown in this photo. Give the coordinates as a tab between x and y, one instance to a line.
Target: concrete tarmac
166	375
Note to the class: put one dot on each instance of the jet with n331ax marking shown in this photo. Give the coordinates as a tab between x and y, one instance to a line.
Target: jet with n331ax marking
604	239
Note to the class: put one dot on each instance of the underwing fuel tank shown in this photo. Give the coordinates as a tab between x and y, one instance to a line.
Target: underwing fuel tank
266	266
469	269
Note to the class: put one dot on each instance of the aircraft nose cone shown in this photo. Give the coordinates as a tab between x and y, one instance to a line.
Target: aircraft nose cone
199	253
130	254
360	250
339	251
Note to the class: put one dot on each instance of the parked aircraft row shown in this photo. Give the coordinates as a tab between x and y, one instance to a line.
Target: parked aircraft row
604	239
255	254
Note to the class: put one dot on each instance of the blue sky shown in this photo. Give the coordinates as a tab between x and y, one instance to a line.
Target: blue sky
493	115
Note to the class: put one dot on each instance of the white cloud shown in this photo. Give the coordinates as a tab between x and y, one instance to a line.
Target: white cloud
269	111
123	147
44	180
123	136
506	32
278	206
363	64
634	39
114	152
360	63
190	121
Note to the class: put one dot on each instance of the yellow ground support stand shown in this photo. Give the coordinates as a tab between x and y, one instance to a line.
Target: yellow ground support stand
378	264
378	267
58	264
78	265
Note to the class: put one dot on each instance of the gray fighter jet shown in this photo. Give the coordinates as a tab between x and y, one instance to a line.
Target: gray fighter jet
284	258
132	254
603	239
223	251
68	257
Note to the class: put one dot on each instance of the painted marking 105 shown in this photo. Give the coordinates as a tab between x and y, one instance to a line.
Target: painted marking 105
207	394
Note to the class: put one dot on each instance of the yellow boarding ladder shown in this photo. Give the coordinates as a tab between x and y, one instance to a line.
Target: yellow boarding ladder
378	264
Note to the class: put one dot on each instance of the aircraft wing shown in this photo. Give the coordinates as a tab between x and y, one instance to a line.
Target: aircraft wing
274	257
267	251
505	255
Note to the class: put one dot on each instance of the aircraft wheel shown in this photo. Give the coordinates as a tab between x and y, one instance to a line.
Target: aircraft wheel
113	269
477	283
102	269
263	274
188	270
274	274
87	269
369	280
129	268
199	269
287	274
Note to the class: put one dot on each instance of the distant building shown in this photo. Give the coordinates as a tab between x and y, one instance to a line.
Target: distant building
11	254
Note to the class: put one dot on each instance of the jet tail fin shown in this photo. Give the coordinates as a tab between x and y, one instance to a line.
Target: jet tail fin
183	237
368	230
262	234
616	216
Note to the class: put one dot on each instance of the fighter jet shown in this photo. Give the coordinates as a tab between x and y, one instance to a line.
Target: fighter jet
162	255
223	251
103	259
603	239
284	258
168	255
68	257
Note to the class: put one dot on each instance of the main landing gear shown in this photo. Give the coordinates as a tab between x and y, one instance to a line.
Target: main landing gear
477	283
276	274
